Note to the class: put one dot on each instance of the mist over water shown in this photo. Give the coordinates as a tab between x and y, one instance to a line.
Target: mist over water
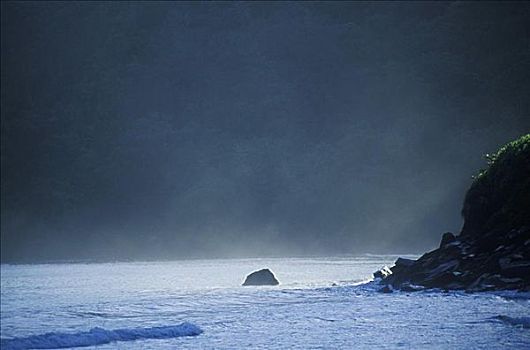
189	130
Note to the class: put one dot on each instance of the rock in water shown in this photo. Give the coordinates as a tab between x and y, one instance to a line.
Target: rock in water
262	277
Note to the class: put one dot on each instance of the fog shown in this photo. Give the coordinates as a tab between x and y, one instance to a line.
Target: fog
224	129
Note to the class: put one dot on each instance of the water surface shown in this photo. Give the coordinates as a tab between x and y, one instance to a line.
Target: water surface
320	303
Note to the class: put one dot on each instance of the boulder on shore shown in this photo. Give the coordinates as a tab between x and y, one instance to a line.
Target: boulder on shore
262	277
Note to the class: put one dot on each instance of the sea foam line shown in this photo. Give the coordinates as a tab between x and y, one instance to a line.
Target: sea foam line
98	336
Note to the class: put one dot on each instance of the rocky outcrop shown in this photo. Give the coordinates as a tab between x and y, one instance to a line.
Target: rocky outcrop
383	272
492	251
491	262
447	238
262	277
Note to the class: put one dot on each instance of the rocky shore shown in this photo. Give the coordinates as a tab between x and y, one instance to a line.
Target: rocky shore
492	252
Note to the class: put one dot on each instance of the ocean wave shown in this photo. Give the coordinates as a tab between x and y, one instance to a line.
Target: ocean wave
523	322
98	336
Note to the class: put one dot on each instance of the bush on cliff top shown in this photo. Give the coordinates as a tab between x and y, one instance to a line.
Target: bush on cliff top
512	149
499	197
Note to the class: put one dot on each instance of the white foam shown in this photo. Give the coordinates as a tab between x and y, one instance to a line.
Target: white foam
98	336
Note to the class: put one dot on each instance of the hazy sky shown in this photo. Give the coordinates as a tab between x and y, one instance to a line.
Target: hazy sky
174	130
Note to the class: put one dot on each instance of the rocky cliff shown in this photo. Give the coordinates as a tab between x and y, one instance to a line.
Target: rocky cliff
492	251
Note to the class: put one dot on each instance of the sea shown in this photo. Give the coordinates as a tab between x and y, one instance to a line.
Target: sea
321	303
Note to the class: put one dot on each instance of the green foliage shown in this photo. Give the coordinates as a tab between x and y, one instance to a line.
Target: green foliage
512	150
499	197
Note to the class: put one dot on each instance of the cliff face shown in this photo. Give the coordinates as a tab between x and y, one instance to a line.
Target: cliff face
493	249
499	198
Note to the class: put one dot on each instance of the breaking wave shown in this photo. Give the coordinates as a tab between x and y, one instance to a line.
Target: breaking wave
523	322
98	336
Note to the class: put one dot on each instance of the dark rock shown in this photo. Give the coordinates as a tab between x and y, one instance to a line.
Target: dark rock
445	267
454	286
383	272
447	238
512	283
407	287
512	268
499	282
478	284
261	278
454	250
402	262
440	280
